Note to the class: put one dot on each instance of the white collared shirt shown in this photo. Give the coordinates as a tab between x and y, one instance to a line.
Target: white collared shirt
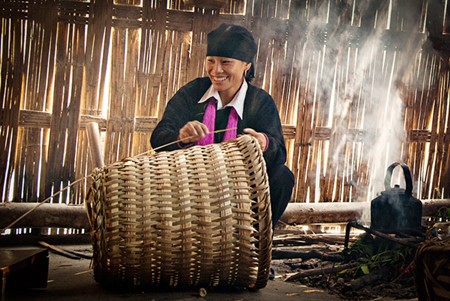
237	102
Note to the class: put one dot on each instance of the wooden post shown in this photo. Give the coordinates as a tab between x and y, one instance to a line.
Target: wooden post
95	146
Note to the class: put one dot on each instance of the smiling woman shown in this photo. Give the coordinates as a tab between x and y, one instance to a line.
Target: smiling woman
226	75
225	105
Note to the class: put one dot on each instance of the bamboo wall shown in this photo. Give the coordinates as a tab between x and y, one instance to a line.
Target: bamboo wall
357	84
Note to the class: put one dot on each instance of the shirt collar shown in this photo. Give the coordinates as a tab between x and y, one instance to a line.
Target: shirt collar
237	102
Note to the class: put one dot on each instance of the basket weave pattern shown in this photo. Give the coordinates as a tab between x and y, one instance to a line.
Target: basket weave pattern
194	217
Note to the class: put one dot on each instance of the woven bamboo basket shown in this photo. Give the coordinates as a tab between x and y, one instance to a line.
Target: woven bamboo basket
432	265
186	218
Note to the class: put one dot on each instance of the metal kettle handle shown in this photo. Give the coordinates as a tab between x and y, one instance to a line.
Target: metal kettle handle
407	174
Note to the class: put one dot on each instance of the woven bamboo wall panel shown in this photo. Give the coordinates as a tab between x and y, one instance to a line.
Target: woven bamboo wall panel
358	84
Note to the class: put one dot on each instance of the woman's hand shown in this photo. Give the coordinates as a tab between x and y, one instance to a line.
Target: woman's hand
262	138
192	131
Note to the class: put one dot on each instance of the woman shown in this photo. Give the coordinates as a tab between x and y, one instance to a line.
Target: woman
226	100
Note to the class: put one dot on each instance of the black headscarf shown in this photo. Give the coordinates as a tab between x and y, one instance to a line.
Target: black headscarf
233	41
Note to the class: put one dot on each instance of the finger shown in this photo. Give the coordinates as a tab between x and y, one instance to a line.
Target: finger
193	131
187	133
200	129
250	131
261	138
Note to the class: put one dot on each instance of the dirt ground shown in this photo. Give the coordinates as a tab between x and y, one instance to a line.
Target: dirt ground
368	268
72	279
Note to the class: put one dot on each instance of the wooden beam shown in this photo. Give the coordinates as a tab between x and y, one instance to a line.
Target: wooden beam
39	119
312	213
46	215
75	216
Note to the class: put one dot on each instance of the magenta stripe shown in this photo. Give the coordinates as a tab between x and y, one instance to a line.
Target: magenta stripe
209	119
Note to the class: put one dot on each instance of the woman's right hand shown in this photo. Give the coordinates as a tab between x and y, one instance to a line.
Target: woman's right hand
192	131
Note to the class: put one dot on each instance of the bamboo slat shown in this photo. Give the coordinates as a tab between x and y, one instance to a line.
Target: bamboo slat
118	119
11	81
34	138
94	81
66	108
97	49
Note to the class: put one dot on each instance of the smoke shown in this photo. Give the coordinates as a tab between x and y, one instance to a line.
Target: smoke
358	67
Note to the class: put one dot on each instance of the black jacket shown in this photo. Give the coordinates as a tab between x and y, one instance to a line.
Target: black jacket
260	113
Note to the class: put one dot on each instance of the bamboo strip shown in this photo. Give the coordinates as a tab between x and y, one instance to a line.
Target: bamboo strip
57	132
10	91
97	48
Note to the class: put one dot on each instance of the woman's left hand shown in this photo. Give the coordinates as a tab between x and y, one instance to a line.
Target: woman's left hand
262	138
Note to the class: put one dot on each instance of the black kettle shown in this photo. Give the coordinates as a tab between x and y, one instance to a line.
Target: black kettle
395	210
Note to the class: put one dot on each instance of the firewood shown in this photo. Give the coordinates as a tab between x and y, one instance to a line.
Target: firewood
370	279
320	271
409	242
300	238
279	254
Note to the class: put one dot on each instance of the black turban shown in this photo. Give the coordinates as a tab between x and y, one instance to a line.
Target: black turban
231	41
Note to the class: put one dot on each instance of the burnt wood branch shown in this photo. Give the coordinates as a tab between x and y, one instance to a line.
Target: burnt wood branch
320	271
64	252
371	278
281	254
59	250
300	237
409	242
288	242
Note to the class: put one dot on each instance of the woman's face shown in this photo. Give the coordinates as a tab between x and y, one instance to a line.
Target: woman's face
226	74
